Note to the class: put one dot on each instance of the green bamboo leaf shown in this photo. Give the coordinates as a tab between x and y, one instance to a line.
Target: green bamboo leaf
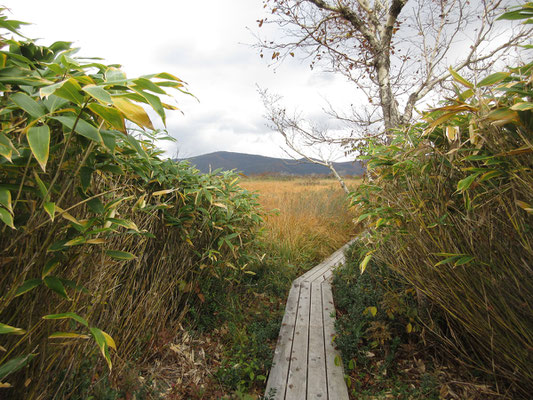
86	174
463	260
27	286
50	209
96	206
39	140
154	101
146	84
82	127
5	199
76	241
99	93
492	79
14	365
69	90
50	266
100	340
28	104
125	223
6	147
460	79
10	330
523	106
53	103
448	260
41	185
108	114
120	255
465	183
68	315
6	217
56	285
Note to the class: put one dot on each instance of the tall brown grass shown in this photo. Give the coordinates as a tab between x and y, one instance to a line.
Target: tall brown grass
307	218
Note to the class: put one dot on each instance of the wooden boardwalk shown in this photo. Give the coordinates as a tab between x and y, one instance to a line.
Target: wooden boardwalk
304	360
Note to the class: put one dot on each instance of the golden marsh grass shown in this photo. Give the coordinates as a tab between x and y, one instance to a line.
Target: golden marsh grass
308	218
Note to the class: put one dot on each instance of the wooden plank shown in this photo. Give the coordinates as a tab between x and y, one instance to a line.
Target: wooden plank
297	382
321	268
335	375
277	378
316	363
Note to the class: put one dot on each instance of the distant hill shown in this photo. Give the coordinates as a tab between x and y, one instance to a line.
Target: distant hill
251	164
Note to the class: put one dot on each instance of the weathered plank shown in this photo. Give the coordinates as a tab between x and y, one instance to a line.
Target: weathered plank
316	363
277	379
304	365
297	381
335	376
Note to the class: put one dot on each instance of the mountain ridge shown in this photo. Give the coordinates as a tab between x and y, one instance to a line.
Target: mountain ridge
253	164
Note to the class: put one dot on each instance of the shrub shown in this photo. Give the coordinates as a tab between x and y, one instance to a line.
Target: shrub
449	205
102	241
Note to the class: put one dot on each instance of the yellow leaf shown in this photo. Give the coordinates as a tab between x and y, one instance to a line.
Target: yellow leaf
371	310
409	328
365	261
67	216
220	205
5	385
95	241
109	340
452	132
133	112
162	192
67	335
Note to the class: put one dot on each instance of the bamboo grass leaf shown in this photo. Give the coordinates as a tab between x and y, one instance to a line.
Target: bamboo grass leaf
28	104
6	217
120	255
5	199
101	341
14	365
493	79
99	93
68	315
30	284
39	141
56	285
10	330
133	112
68	335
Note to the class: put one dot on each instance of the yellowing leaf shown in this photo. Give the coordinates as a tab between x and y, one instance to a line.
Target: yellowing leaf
371	310
365	261
460	79
409	328
7	329
162	192
452	133
67	335
133	112
109	340
95	241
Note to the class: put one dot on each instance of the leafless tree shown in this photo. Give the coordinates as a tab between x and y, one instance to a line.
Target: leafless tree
395	52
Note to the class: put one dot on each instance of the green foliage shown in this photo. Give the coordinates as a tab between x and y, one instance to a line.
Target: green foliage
98	233
448	207
378	310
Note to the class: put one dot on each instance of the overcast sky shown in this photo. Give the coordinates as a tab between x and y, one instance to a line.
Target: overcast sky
204	42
